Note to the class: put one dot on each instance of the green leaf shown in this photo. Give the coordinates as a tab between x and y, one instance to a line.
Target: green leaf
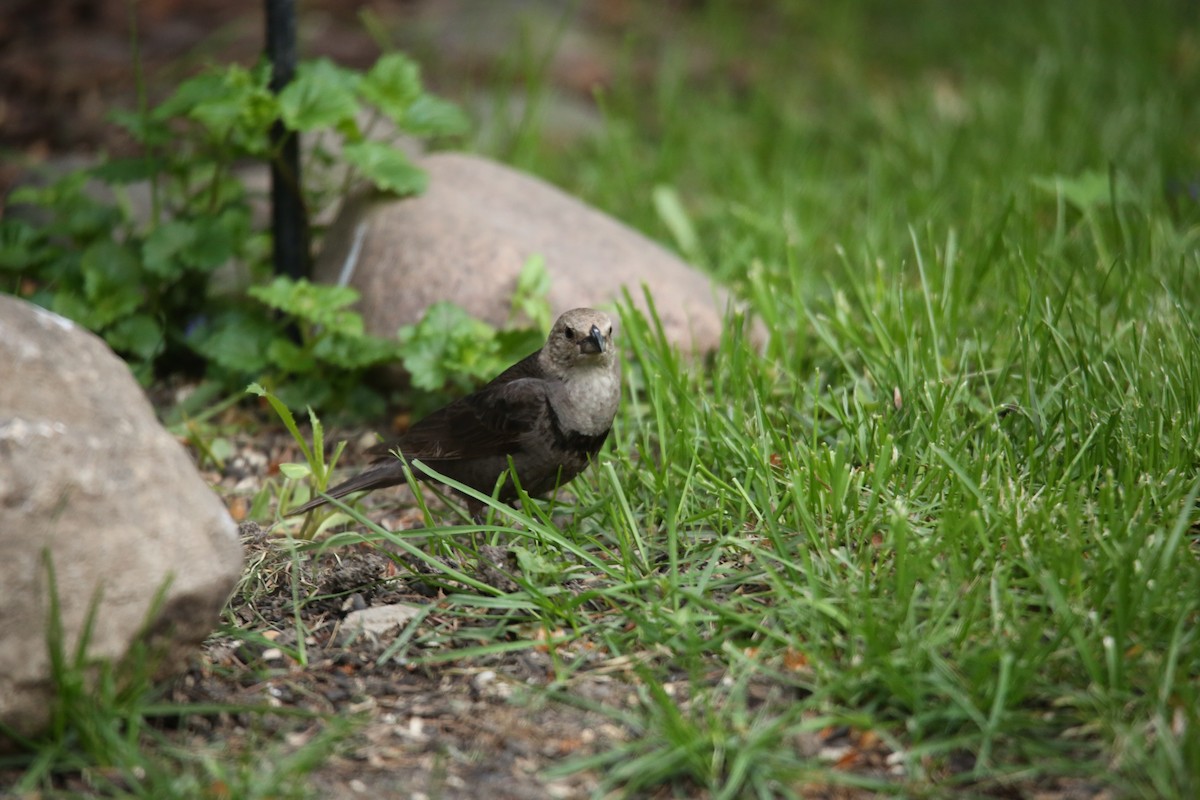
448	344
356	352
217	238
307	390
513	344
22	246
112	281
296	472
207	87
128	170
290	357
313	303
392	85
1089	189
77	214
202	244
236	341
148	129
234	106
387	167
162	248
533	564
529	300
286	417
67	189
670	210
74	307
433	116
321	95
140	335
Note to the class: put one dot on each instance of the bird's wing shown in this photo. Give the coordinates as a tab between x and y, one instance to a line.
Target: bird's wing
527	367
490	422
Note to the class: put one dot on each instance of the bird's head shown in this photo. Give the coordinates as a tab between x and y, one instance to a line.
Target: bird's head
580	337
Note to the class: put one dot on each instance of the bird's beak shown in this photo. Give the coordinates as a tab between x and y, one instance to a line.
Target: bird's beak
594	343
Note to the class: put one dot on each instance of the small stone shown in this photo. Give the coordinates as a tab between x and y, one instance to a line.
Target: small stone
379	620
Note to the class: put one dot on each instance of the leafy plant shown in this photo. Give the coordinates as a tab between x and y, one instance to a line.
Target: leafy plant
449	348
447	351
317	466
155	281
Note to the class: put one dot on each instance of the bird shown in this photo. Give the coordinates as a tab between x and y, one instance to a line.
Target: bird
550	413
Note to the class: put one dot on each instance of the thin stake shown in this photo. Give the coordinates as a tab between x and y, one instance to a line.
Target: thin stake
289	218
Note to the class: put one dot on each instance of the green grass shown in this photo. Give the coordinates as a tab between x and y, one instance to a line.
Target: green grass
954	500
962	480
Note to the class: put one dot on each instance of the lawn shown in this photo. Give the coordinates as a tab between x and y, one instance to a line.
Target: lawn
940	534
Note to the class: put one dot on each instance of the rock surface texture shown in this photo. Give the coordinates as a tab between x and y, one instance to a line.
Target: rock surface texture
92	482
467	238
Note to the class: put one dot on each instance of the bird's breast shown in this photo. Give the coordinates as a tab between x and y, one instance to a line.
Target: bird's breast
586	403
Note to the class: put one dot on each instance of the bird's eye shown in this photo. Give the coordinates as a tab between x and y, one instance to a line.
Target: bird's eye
569	332
609	334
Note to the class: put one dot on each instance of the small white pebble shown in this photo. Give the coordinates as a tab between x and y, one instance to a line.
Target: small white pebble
834	754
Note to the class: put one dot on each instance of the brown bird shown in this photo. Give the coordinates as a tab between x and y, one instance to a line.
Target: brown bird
550	413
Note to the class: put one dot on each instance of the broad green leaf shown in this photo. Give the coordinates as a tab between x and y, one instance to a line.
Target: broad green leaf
128	170
321	95
112	281
163	246
296	472
392	85
529	298
314	303
65	190
513	344
387	167
433	116
207	87
356	352
448	344
236	341
140	335
310	390
532	563
148	129
76	213
22	245
1084	191
217	239
290	357
234	106
74	307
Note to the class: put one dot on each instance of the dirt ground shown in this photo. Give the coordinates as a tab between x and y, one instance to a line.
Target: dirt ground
471	728
465	728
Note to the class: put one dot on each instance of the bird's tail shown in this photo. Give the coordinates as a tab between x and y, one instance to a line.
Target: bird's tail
376	477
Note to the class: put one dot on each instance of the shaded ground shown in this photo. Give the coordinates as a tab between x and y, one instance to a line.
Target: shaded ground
460	727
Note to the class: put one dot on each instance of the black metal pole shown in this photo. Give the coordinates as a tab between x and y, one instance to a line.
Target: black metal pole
289	219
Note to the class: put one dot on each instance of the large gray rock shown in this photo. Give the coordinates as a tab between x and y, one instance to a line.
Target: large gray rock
468	236
89	479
